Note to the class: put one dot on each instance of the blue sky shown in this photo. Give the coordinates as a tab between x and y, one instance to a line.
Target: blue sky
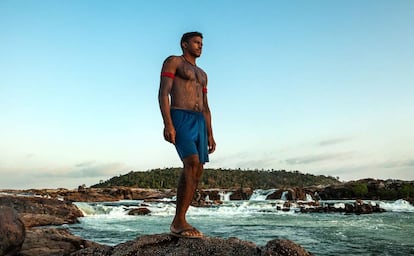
323	87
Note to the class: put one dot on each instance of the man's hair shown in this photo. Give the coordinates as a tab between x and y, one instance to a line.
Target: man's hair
187	36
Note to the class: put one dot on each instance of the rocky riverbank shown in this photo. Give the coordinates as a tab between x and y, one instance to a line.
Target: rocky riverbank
366	189
31	220
26	230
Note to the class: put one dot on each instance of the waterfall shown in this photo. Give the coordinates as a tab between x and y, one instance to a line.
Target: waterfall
284	196
309	198
225	196
261	194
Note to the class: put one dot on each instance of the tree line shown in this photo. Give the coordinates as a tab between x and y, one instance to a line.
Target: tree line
219	178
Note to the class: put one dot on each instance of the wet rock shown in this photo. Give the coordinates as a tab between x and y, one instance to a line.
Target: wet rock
241	194
202	199
52	242
283	248
139	211
12	231
359	207
37	211
292	194
142	194
212	194
275	195
165	244
84	194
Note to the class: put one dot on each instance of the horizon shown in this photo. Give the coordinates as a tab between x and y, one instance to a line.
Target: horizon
316	86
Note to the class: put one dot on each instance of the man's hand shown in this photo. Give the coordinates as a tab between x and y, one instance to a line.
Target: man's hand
169	134
211	144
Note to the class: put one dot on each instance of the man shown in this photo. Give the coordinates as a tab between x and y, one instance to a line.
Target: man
187	123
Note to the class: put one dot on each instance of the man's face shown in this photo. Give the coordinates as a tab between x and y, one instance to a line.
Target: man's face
194	46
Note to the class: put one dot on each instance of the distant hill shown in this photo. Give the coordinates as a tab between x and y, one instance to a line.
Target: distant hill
219	178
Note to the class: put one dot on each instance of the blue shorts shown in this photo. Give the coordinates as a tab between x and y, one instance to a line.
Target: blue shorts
191	134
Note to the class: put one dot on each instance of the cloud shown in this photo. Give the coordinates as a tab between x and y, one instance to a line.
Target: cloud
69	176
30	155
318	158
334	141
89	169
244	160
398	164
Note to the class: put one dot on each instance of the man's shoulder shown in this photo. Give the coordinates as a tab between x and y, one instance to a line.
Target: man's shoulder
173	58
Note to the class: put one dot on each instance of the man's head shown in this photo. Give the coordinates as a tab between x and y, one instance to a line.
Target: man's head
187	37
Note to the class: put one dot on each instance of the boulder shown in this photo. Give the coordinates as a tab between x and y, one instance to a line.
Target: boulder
165	244
139	211
12	231
213	194
283	248
144	194
241	194
53	242
359	207
275	195
38	211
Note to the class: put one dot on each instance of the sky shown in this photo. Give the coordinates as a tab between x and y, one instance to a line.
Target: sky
321	87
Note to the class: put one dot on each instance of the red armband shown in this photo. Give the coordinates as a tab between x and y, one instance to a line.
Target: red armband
204	90
168	74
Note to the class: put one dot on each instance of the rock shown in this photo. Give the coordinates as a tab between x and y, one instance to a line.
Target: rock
37	211
141	194
241	194
213	194
283	248
201	196
139	211
275	195
165	244
12	231
52	242
84	194
292	194
359	207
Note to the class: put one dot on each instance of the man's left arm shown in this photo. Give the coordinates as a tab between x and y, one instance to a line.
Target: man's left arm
207	116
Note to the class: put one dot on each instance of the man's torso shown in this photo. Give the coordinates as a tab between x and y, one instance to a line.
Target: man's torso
187	89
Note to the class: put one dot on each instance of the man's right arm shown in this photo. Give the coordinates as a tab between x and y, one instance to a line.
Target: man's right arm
167	80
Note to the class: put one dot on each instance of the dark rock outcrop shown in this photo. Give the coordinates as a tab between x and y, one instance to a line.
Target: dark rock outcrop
84	194
37	211
165	244
12	231
241	194
283	247
292	194
359	207
139	211
52	242
370	189
46	241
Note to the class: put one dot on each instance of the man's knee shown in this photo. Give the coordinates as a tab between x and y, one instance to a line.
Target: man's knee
193	167
192	161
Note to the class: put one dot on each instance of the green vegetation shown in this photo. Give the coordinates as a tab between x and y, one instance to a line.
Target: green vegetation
360	189
219	178
379	189
406	191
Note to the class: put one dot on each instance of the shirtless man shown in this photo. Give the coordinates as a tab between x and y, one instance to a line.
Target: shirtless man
187	123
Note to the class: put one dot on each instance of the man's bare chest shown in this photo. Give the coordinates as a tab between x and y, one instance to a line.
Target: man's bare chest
192	74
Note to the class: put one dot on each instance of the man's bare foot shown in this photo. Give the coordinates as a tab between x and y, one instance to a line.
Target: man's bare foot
188	232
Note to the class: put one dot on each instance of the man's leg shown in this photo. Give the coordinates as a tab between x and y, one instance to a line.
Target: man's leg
187	186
